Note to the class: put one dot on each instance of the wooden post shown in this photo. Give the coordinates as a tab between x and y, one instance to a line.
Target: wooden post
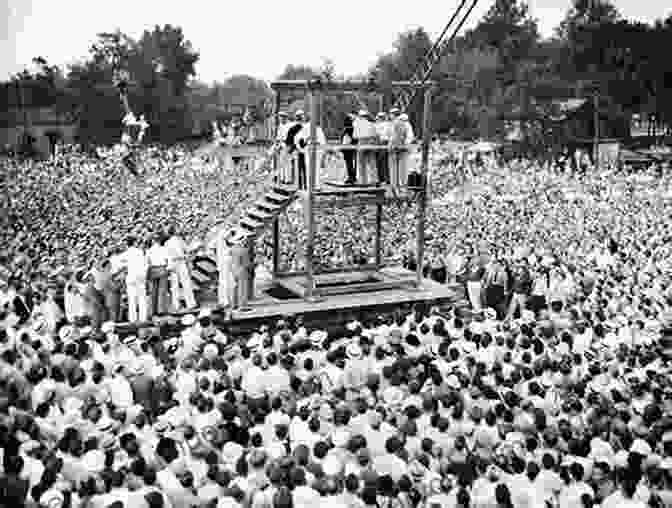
379	224
422	194
251	269
310	213
596	131
276	247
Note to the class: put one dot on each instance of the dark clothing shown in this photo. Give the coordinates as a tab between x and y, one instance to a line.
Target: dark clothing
521	282
13	491
383	166
290	140
350	156
144	393
302	171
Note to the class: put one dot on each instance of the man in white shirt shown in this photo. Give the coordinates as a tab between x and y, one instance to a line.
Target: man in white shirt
181	286
365	133
284	160
135	262
383	126
157	257
303	145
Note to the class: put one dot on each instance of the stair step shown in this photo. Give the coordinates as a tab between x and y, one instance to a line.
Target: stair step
284	189
279	198
260	214
268	205
250	223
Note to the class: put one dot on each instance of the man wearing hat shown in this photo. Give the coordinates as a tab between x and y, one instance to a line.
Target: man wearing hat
241	268
303	147
383	129
284	160
291	146
365	133
401	135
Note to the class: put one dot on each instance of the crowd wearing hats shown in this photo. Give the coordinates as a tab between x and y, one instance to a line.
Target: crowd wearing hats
552	388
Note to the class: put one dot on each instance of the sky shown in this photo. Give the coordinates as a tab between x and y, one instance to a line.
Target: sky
251	37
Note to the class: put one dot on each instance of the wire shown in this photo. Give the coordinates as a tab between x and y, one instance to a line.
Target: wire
429	56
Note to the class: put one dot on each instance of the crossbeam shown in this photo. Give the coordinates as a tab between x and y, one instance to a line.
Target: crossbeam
342	86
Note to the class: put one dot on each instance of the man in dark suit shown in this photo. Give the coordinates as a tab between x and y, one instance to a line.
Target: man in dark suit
348	138
292	148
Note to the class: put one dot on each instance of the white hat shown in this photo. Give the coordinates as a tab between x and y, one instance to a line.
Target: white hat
210	351
299	112
621	459
130	340
340	438
363	112
353	351
188	320
39	325
204	313
66	332
331	465
318	337
403	117
666	463
94	461
86	330
641	447
107	327
52	498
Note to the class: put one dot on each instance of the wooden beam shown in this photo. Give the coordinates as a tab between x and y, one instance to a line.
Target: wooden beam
379	232
343	86
310	213
422	195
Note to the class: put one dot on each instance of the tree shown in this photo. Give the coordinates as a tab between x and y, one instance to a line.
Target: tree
508	27
165	54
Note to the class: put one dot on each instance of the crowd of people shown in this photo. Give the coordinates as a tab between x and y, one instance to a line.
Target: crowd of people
552	390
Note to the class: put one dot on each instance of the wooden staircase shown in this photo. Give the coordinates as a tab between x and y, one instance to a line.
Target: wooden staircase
268	208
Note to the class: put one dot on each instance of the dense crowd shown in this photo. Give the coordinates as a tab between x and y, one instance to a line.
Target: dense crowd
554	390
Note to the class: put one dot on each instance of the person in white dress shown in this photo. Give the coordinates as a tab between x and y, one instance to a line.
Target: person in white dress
181	285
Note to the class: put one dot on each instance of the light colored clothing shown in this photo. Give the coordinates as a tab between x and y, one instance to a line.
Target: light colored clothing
157	255
136	265
181	285
226	289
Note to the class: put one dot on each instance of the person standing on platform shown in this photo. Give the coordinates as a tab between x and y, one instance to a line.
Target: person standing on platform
383	129
303	146
284	160
240	268
181	286
475	273
226	289
349	155
135	262
297	160
397	140
365	134
157	257
402	136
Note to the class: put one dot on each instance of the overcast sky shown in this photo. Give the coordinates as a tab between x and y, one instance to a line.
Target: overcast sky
250	37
